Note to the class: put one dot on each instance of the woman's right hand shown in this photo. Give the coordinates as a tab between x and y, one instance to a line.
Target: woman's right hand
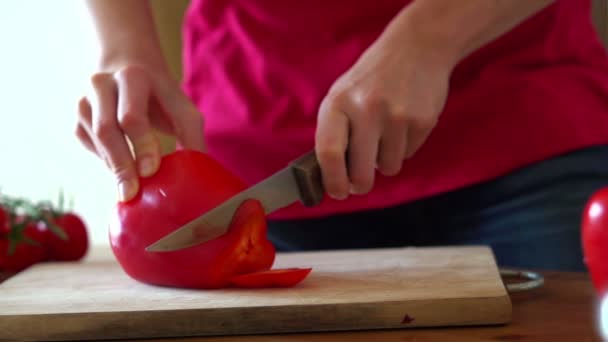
122	107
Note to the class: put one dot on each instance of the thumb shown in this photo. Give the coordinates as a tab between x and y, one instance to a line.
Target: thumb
184	118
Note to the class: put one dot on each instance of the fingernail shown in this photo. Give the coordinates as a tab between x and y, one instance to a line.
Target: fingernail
338	197
146	166
126	190
354	190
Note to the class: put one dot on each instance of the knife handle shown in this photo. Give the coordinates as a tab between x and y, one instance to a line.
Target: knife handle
308	177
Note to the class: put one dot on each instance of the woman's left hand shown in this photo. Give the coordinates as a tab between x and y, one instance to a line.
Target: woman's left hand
381	111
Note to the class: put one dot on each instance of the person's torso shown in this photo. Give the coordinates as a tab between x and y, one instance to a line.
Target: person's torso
258	70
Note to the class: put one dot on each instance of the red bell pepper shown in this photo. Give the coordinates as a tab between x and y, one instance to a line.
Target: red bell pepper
188	184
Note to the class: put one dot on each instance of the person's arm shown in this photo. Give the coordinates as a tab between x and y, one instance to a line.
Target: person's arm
455	29
386	105
131	94
126	32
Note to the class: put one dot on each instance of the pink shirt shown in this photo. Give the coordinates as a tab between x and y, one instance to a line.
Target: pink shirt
258	70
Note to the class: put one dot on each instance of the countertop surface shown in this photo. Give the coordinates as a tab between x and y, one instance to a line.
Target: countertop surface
566	308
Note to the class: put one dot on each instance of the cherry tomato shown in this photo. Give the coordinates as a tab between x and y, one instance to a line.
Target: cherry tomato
188	184
75	247
25	254
3	223
595	239
285	277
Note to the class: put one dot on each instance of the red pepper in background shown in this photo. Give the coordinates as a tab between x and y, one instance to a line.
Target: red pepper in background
594	235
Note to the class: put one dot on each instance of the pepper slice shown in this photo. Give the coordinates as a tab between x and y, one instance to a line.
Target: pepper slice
280	277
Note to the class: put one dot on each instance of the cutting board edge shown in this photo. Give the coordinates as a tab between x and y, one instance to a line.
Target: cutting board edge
105	260
277	319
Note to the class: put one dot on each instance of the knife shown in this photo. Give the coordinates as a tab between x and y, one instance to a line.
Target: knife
300	181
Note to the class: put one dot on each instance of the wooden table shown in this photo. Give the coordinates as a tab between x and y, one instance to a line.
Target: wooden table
564	309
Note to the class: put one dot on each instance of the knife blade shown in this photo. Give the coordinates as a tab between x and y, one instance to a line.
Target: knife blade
299	181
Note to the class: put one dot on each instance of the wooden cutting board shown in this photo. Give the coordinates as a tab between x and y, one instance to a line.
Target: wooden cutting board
347	290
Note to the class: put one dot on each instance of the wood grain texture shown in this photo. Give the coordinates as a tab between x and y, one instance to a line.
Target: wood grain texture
348	290
565	309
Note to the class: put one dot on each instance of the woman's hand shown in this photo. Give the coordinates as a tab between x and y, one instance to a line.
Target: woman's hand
125	103
384	108
381	110
132	94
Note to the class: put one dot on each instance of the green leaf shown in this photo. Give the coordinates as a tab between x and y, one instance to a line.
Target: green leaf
60	201
55	229
12	246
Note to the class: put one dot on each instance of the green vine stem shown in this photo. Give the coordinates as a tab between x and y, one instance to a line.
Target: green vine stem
22	213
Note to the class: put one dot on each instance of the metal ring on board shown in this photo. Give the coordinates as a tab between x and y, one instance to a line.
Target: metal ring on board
535	280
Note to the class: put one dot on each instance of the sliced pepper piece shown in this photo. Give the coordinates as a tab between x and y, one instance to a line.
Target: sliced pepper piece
280	277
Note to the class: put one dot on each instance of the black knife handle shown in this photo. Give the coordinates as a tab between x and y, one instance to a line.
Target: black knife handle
308	177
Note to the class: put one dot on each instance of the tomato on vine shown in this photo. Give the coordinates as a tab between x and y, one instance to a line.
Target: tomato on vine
34	232
75	246
22	248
